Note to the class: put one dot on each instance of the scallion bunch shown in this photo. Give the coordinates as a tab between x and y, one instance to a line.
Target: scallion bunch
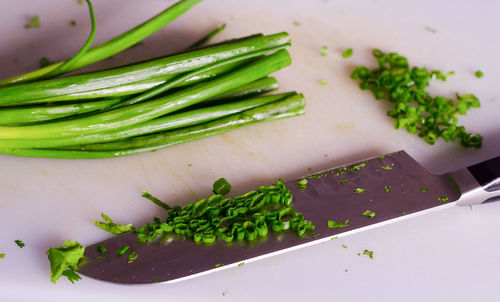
146	106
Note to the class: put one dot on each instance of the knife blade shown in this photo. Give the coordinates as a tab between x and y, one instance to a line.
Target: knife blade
393	186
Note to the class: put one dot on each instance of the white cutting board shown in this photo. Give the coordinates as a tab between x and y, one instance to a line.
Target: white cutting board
451	255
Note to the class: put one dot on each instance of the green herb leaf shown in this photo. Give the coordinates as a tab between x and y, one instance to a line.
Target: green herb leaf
19	243
221	186
359	190
71	275
323	83
442	199
111	227
2	255
368	213
479	74
63	257
335	224
387	188
218	265
344	246
357	167
347	53
132	257
34	22
386	167
424	190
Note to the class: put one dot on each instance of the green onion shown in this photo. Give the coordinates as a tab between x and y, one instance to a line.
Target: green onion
387	188
114	45
368	213
221	186
414	109
155	200
132	257
124	249
302	184
442	199
479	74
101	249
209	36
359	190
34	22
19	243
335	224
347	53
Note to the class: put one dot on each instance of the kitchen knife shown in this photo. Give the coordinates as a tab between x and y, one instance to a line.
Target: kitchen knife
394	187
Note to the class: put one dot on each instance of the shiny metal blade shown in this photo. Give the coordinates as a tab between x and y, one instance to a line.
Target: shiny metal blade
393	187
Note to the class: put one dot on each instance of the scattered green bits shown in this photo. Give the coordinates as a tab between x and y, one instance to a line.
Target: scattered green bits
19	243
343	181
359	190
124	249
34	22
218	265
479	74
347	53
336	224
111	227
72	23
369	253
386	167
241	264
302	184
344	246
424	190
2	255
314	235
430	29
296	23
368	213
132	257
387	188
323	83
442	199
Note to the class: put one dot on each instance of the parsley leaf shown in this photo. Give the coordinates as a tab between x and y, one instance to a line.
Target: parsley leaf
111	227
71	275
63	257
369	253
19	243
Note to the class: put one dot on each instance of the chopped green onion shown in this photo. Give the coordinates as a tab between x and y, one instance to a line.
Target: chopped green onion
442	199
324	50
369	253
344	246
387	188
218	265
34	22
101	249
221	186
343	181
359	190
424	190
386	167
124	249
335	224
414	109
357	167
479	74
19	243
302	184
347	53
132	257
155	200
368	213
2	255
111	227
323	83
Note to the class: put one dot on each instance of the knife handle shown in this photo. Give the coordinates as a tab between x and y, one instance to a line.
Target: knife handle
479	183
487	174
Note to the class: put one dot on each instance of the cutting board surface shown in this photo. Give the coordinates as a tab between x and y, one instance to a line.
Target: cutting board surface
47	201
